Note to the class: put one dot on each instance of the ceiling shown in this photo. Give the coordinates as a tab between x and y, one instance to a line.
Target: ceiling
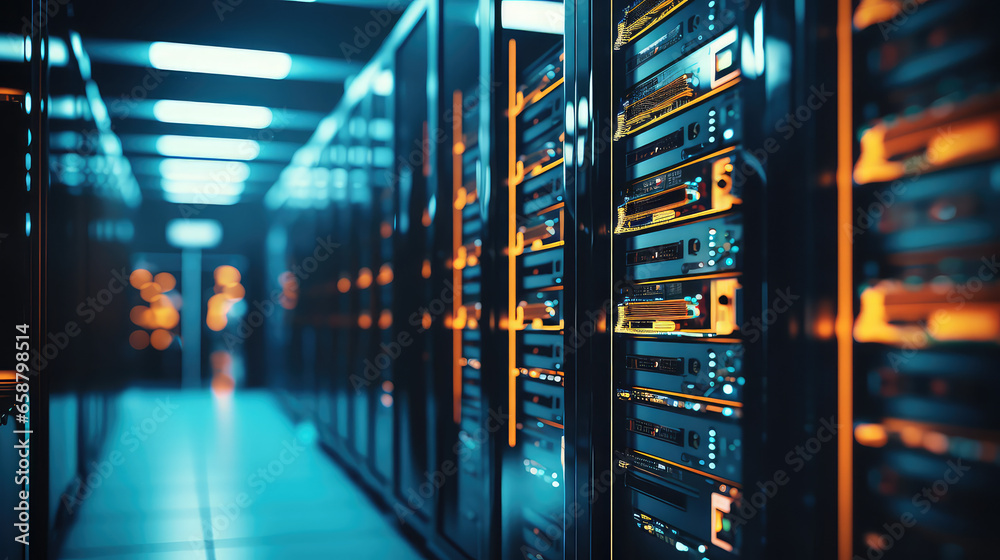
328	41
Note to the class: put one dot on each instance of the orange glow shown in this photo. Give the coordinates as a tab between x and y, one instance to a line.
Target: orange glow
871	435
975	136
141	316
387	386
514	174
364	278
226	274
936	442
911	436
166	281
871	12
216	321
425	219
385	230
425	320
220	359
140	277
385	319
149	291
223	384
288	302
161	339
138	339
458	252
845	288
343	285
218	303
365	320
937	137
721	504
234	291
915	316
874	164
166	317
384	274
425	269
823	327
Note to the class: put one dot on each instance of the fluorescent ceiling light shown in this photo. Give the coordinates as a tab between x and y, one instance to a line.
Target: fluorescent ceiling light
533	15
208	189
194	234
58	53
14	48
204	170
211	114
199	199
207	148
219	60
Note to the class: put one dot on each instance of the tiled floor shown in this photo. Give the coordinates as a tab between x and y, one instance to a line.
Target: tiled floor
205	478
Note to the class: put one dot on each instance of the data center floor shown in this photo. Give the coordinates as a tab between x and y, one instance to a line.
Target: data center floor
207	458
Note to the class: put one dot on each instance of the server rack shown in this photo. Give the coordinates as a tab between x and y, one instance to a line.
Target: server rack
468	410
923	160
688	265
534	319
24	87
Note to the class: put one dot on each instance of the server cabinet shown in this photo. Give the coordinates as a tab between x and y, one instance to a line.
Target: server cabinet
921	140
469	411
532	205
688	373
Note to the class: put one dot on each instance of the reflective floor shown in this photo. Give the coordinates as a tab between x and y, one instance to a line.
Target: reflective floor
188	475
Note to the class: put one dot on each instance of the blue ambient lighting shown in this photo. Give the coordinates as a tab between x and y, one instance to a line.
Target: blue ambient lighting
219	60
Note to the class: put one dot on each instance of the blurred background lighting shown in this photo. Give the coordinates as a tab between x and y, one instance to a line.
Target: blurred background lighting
219	60
211	114
207	148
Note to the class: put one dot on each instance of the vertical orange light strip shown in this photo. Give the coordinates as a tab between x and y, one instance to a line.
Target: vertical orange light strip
845	306
456	242
511	241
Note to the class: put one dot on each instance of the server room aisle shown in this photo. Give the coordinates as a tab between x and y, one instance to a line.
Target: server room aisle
206	477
